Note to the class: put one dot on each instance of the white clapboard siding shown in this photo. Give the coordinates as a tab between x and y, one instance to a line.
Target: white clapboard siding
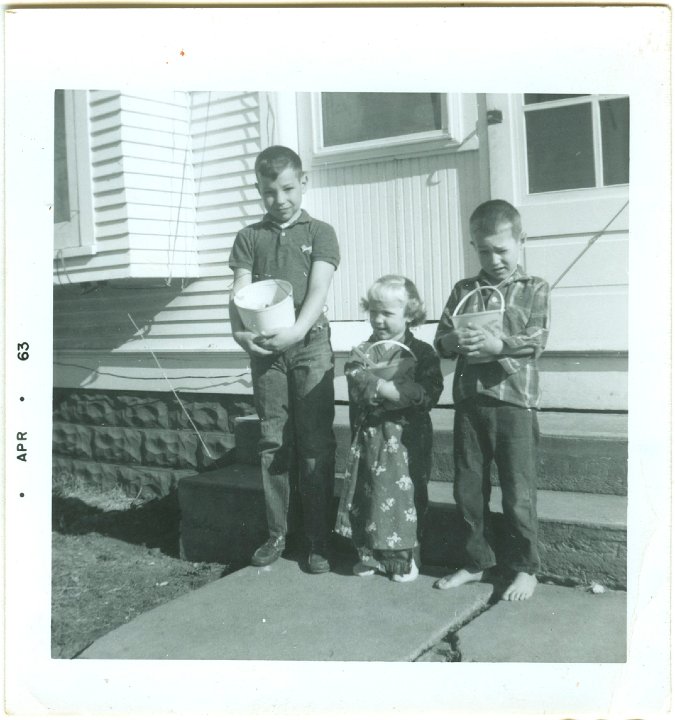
97	318
226	139
237	177
142	190
404	216
173	152
137	194
589	306
206	104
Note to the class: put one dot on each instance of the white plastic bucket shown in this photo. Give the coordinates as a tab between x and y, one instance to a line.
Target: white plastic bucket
491	321
266	306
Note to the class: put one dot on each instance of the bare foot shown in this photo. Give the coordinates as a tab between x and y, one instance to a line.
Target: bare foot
461	577
522	587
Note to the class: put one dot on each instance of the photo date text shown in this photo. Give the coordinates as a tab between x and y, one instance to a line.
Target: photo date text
21	449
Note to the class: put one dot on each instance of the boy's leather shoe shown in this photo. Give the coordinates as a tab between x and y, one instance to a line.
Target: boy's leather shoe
317	561
268	552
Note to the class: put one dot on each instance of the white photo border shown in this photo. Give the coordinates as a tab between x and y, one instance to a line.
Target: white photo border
488	49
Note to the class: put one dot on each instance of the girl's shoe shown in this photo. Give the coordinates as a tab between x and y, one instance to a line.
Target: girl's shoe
363	570
409	576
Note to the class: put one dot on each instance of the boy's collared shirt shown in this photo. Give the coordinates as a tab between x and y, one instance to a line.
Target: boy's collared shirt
285	252
525	330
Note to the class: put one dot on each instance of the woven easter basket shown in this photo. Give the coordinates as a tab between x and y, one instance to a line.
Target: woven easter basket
392	367
491	321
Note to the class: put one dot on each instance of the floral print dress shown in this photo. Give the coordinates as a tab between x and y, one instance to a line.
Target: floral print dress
378	502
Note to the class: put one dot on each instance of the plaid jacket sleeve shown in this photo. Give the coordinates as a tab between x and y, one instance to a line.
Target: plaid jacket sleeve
530	341
445	325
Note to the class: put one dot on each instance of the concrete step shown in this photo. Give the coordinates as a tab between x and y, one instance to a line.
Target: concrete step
578	452
582	536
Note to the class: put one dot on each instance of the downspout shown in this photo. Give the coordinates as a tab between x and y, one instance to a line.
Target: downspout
483	148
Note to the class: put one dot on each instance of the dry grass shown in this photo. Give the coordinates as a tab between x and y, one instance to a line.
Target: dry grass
113	558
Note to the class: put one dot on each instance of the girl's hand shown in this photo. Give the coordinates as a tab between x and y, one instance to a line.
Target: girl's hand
387	390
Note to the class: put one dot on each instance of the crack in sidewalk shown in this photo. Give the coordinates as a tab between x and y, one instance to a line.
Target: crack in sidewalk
447	649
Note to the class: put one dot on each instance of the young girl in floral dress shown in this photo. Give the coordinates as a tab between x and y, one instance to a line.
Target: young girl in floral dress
384	496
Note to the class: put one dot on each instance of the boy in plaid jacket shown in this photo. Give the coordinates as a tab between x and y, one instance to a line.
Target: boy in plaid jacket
496	395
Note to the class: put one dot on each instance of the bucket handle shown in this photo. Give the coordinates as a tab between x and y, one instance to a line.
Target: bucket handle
392	342
480	288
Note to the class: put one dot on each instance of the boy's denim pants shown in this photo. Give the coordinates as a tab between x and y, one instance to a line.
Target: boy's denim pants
486	429
294	398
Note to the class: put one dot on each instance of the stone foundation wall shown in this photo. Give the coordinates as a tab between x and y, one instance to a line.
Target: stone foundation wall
141	442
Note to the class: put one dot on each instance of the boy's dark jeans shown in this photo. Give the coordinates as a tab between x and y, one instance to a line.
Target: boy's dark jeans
294	397
487	429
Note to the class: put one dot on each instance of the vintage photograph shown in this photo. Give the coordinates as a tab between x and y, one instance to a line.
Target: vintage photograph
354	349
337	362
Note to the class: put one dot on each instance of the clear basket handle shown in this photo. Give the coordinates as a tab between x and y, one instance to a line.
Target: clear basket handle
392	342
480	288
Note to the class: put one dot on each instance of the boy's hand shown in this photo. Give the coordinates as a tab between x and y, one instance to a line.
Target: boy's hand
280	341
475	342
247	340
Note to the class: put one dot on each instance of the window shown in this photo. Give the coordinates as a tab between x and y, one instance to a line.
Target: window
73	221
354	117
576	141
61	193
353	126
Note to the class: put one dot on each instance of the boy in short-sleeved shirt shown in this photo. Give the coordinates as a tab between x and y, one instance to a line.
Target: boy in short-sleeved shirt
292	370
496	395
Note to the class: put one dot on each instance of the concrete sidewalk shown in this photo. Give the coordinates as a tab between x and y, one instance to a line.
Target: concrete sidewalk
283	613
558	624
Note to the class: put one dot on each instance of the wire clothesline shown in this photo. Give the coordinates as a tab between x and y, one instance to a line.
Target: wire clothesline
588	245
175	394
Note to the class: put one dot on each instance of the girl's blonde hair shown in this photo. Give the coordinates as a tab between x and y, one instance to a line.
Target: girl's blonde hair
387	286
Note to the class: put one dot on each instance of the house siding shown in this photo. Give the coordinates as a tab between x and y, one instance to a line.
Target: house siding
405	216
141	191
177	314
590	305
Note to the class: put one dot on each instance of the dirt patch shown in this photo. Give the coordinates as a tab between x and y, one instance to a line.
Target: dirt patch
112	559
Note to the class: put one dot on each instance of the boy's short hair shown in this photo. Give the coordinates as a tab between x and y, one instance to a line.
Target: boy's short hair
388	285
272	161
488	215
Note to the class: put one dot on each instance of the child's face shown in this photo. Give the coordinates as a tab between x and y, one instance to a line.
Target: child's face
282	197
388	317
499	253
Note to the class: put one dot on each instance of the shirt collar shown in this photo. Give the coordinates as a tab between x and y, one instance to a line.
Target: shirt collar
301	217
517	274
